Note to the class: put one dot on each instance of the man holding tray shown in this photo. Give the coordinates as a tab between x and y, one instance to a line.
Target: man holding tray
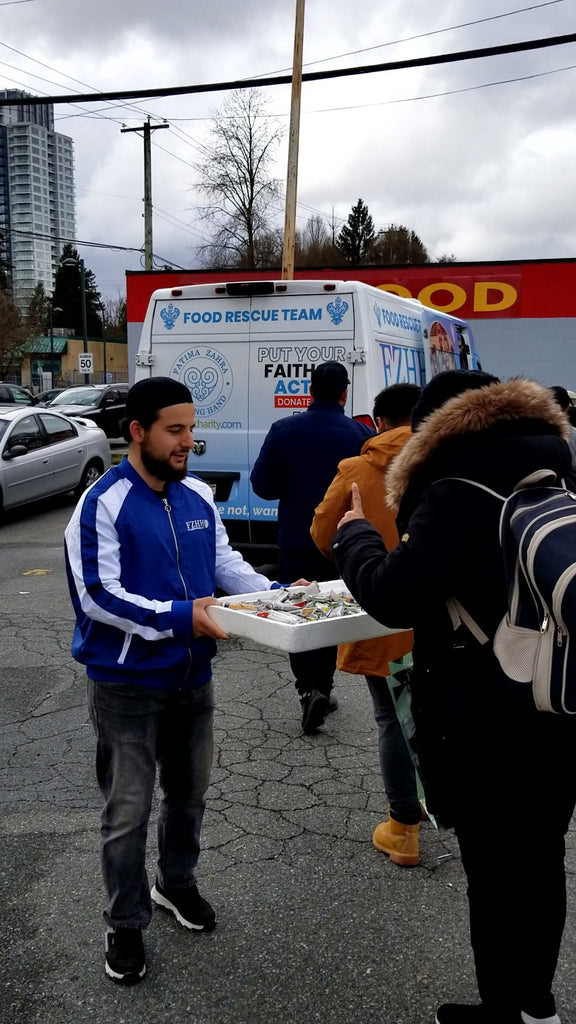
296	464
145	550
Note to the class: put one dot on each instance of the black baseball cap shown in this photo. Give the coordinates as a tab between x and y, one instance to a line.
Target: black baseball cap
329	378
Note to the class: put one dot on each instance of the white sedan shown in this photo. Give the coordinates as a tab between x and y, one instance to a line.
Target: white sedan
44	453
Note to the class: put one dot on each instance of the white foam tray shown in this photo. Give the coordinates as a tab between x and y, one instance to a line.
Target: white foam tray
308	636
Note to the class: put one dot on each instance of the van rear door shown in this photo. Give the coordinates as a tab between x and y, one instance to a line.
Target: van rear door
203	342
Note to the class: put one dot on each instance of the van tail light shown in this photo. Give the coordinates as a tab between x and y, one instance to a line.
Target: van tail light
366	420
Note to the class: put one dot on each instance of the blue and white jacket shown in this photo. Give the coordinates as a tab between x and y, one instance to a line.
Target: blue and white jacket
135	564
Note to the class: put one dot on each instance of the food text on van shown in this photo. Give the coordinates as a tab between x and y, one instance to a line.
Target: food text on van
292	401
402	364
195	353
243	316
292	387
288	369
313	353
391	317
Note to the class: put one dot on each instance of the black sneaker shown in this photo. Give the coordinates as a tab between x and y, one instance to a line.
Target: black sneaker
470	1013
125	955
314	710
332	703
187	905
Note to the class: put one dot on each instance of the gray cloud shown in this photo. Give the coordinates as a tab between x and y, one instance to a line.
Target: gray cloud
485	174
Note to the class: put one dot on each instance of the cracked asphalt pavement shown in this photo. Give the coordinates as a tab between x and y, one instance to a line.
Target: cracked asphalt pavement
313	923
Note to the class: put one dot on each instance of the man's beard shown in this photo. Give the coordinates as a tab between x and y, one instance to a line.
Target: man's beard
161	468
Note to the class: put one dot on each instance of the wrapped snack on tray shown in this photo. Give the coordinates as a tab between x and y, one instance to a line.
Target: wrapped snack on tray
296	619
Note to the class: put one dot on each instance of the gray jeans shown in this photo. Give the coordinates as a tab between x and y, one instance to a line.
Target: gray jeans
138	728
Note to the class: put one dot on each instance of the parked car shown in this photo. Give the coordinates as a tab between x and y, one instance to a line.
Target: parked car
47	397
13	394
105	404
44	453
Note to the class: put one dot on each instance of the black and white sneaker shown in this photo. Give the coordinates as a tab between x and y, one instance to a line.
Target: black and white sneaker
125	955
187	905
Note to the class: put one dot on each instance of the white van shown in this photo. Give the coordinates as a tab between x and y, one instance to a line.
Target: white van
247	350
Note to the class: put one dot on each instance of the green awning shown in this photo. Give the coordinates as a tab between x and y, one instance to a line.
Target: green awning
41	345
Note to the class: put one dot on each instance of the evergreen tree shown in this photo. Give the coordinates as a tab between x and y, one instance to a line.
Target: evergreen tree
356	237
398	244
38	314
68	296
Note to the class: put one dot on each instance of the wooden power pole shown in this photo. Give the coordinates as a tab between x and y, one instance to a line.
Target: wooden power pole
147	128
293	143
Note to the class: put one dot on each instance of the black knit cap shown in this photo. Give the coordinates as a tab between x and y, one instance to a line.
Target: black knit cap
146	397
447	385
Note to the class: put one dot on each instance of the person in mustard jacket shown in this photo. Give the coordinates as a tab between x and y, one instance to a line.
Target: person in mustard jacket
398	836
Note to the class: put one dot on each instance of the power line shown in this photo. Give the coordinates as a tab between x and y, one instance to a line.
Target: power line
310	76
437	95
90	245
426	35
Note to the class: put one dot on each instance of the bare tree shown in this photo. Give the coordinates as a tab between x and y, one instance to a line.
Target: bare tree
235	177
114	317
314	245
15	332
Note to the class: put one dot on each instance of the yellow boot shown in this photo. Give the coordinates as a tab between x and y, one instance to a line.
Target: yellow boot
399	841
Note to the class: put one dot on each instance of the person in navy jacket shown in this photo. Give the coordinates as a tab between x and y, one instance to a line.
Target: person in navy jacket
297	463
145	550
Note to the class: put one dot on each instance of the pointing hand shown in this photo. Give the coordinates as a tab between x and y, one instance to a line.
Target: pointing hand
356	511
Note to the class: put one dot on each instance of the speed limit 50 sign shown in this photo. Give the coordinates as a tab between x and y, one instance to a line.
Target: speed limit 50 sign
85	362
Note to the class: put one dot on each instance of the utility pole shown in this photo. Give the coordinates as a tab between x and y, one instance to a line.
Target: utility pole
293	143
147	129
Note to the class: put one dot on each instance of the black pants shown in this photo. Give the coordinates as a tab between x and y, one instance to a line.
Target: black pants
517	901
313	670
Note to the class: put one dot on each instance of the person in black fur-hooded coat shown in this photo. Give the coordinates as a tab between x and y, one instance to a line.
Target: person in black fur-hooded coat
497	770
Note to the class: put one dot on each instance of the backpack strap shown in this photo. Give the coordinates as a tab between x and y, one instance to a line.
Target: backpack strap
540	476
459	616
457	612
474	483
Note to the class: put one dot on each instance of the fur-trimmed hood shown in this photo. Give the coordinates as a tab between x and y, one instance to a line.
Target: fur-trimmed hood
470	413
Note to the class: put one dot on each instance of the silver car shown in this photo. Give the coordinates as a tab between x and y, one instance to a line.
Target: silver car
44	453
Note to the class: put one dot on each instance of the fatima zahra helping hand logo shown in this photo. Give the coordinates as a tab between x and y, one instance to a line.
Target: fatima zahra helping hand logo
169	315
337	310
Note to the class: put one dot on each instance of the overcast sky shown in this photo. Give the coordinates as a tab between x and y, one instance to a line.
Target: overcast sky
477	157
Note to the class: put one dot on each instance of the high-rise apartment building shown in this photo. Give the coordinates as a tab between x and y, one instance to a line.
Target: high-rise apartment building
37	194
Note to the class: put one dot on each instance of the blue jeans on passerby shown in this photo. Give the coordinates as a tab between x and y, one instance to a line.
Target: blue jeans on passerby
396	763
138	728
